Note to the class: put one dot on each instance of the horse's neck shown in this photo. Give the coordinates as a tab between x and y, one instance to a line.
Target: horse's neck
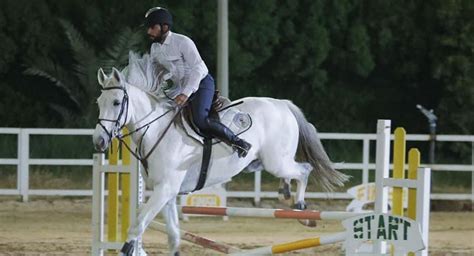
143	109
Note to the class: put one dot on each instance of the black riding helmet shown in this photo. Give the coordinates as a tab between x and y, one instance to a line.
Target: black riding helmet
158	15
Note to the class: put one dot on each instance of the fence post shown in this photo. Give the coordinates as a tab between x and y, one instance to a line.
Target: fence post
423	192
98	185
472	173
382	160
365	161
23	157
257	187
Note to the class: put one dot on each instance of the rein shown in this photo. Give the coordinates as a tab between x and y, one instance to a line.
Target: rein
147	125
119	127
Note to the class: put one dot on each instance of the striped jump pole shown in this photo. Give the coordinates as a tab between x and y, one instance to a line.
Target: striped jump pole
268	213
199	240
296	245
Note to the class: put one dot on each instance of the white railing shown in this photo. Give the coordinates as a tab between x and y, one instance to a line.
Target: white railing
23	162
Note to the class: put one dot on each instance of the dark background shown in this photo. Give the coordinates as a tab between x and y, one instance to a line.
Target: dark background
346	63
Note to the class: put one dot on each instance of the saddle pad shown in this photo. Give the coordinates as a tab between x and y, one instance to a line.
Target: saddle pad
236	120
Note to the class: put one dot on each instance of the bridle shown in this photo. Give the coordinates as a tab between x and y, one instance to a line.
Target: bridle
123	109
118	127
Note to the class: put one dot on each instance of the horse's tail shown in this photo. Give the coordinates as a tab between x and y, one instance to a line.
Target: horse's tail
311	150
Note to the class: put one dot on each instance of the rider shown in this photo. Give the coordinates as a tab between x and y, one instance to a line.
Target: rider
181	65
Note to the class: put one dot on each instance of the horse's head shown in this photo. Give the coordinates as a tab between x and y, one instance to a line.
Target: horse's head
113	108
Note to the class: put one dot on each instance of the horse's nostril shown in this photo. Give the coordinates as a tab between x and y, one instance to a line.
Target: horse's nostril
100	144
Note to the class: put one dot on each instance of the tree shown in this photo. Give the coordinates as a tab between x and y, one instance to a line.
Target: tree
79	83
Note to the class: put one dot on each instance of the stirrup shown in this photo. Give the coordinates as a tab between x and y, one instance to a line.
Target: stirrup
241	152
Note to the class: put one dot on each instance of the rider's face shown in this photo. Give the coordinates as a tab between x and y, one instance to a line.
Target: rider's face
157	32
154	32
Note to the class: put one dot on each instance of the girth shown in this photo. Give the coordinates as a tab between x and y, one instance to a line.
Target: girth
218	103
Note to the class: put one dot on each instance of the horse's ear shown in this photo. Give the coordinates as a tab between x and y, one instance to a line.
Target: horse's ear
101	77
117	75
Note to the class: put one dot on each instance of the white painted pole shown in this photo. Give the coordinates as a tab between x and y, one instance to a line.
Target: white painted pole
20	165
382	161
97	204
24	158
423	191
257	187
222	47
365	161
136	197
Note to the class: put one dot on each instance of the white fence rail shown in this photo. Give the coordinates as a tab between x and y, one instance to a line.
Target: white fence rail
23	162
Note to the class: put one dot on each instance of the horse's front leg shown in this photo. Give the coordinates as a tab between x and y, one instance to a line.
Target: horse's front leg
170	214
161	194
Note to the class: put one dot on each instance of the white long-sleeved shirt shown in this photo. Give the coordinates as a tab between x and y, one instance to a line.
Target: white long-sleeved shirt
179	58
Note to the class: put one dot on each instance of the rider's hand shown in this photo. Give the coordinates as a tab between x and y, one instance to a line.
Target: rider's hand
181	99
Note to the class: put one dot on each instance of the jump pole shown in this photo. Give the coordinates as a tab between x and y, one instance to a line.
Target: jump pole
131	195
198	240
295	245
267	213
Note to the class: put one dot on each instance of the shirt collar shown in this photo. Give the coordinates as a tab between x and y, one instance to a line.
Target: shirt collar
167	39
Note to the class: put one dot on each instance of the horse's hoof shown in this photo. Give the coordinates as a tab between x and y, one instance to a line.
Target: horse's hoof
308	223
128	248
301	205
284	192
176	254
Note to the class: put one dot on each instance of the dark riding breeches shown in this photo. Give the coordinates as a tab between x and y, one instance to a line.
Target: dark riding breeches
201	102
201	105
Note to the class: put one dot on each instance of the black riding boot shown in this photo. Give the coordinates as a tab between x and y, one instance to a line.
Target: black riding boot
223	133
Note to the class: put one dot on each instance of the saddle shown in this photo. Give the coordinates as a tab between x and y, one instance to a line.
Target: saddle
221	110
219	103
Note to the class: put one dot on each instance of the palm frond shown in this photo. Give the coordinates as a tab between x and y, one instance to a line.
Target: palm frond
65	113
84	55
117	54
47	69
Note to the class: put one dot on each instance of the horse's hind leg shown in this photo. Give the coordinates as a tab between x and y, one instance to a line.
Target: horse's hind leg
300	191
302	183
289	169
170	214
284	191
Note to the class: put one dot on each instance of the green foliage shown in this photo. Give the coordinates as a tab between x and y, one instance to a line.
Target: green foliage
78	81
344	62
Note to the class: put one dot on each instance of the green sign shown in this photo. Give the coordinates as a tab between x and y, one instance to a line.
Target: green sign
402	232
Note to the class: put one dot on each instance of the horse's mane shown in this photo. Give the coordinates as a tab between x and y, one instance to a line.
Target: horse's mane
142	72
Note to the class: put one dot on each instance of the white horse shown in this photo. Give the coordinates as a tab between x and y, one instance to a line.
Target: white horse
284	143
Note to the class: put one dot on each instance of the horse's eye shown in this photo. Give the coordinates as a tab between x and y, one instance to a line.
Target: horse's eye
116	102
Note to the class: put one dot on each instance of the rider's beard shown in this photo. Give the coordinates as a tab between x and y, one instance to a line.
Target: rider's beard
156	39
160	39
